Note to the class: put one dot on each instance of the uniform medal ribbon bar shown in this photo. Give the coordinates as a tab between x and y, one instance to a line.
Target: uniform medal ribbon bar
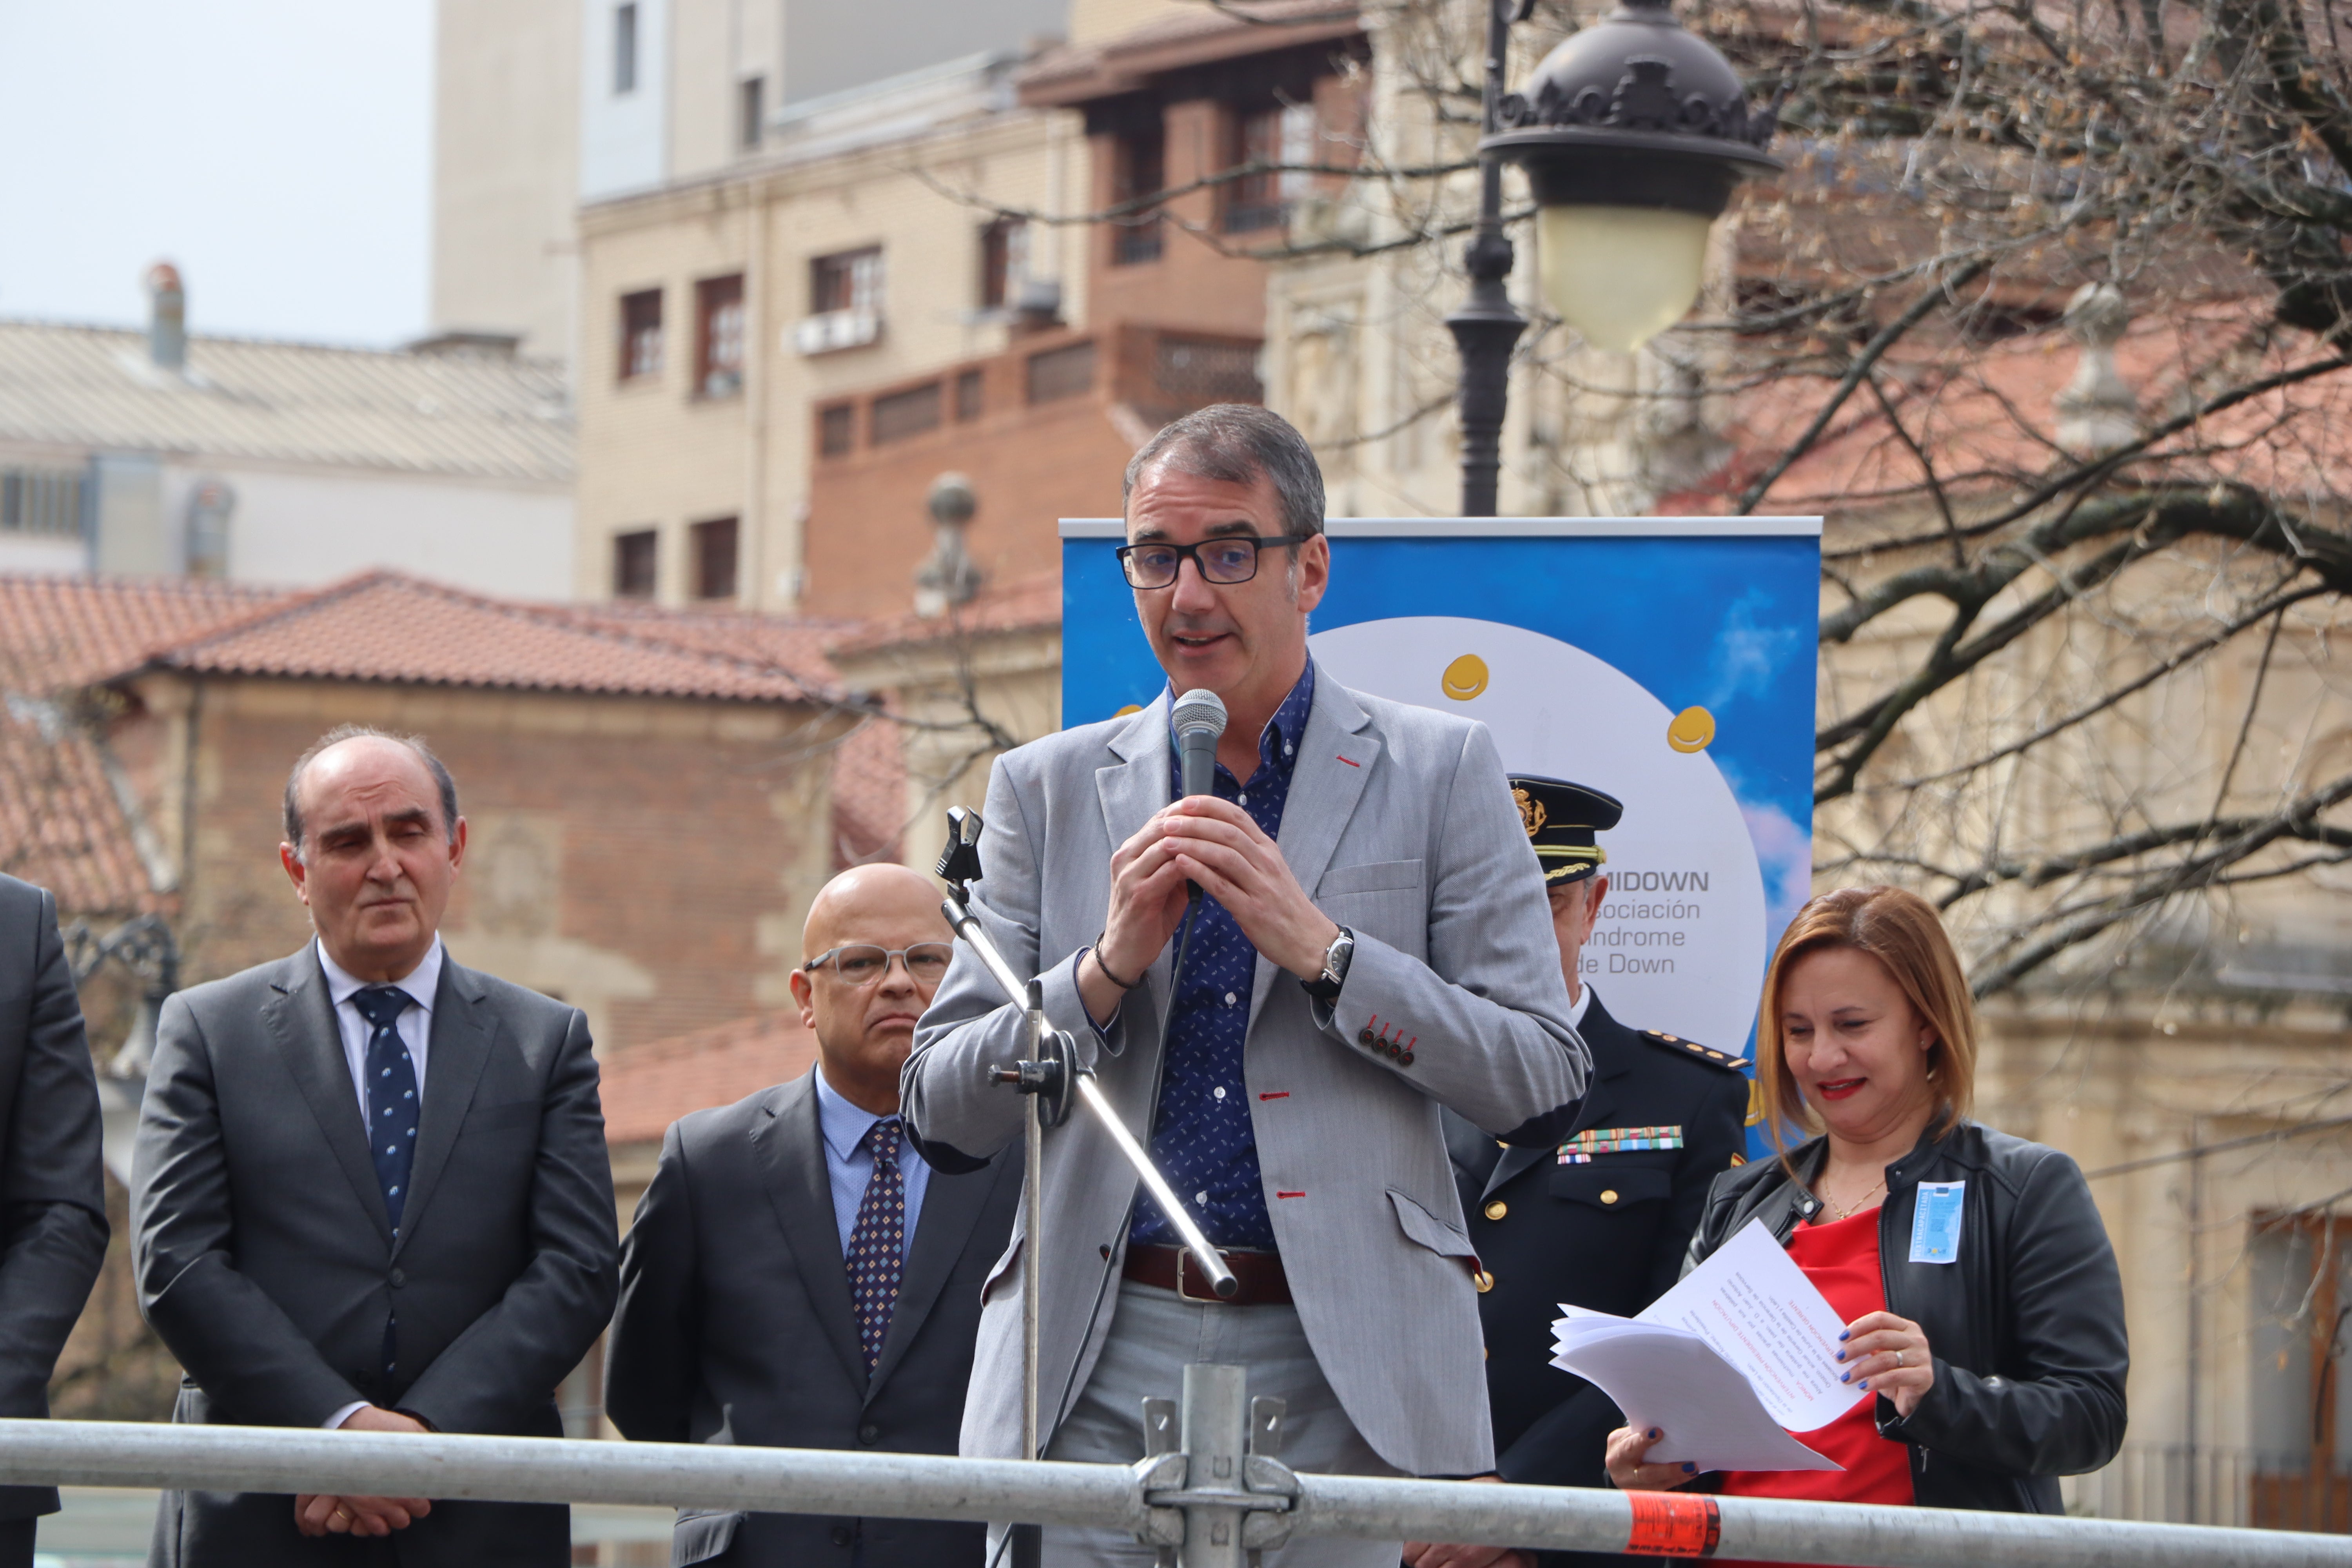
1580	1149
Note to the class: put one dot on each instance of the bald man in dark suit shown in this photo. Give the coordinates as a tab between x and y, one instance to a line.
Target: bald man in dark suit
370	1189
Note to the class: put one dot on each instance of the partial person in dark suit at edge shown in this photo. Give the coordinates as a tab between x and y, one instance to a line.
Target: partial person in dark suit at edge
52	1197
1602	1221
796	1275
370	1187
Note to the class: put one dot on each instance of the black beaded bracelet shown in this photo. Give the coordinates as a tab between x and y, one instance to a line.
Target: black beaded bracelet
1107	974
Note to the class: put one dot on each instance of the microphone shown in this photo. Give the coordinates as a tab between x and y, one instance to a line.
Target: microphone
1200	724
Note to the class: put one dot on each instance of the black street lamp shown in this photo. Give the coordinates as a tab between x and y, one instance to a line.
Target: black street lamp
1632	134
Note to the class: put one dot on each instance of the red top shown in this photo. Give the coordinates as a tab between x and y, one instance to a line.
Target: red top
1841	1260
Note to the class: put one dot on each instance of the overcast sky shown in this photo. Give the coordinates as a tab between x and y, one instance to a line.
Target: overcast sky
278	151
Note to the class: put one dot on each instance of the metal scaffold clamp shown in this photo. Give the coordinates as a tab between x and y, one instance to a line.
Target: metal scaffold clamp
1218	1494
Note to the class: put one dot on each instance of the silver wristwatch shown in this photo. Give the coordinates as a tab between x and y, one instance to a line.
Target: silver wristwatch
1325	987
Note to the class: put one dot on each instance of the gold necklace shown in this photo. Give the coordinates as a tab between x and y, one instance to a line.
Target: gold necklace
1855	1208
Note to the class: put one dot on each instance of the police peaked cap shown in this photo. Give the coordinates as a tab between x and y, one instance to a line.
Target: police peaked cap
1560	819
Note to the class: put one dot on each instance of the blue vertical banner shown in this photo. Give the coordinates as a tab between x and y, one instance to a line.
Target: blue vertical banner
1667	661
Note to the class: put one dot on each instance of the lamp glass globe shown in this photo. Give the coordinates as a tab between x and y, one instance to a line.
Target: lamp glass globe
1621	275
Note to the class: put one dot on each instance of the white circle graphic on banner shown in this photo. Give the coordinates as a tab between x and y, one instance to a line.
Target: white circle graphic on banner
1679	945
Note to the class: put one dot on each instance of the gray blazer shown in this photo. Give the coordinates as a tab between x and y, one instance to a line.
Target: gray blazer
52	1197
266	1265
736	1327
1401	823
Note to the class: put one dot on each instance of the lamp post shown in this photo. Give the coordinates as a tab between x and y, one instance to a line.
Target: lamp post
1632	134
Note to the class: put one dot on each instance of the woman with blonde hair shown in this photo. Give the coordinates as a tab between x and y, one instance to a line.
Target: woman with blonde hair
1983	1309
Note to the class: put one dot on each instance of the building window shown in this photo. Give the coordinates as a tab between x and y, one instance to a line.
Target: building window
837	429
1139	169
45	501
1003	262
851	280
968	394
1064	372
899	415
750	113
624	49
718	336
641	334
1279	136
713	544
633	556
1193	373
2299	1415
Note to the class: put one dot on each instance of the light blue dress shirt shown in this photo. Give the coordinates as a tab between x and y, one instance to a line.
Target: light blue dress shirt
849	1166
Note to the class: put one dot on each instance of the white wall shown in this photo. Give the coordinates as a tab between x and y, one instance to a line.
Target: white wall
506	178
43	557
301	529
623	137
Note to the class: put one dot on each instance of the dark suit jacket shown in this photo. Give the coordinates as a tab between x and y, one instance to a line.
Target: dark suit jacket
736	1326
267	1264
1608	1234
52	1195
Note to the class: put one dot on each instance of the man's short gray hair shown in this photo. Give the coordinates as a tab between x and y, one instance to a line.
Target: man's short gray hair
1234	443
336	737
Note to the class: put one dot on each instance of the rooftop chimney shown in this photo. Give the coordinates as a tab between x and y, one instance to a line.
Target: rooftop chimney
167	318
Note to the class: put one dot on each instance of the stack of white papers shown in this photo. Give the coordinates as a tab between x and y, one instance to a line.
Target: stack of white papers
1726	1364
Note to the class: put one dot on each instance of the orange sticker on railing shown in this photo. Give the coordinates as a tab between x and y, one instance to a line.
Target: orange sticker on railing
1670	1524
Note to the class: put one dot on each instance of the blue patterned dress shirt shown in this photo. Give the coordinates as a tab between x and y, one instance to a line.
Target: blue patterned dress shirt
1201	1137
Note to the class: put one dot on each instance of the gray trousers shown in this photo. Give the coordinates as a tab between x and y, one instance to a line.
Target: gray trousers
1154	1334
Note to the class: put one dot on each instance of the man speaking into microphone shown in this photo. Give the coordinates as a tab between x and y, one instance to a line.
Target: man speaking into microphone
1284	1051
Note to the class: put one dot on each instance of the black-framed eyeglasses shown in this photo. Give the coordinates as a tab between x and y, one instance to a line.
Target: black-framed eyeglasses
1226	561
863	963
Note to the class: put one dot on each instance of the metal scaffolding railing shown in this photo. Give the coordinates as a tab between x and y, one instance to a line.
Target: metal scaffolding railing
1214	1503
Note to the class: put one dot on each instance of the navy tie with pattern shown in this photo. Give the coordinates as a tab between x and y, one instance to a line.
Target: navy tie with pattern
878	1241
392	1111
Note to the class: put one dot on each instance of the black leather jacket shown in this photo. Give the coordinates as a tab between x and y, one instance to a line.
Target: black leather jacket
2027	1327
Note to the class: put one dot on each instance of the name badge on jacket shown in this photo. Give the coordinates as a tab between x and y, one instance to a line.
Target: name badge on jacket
1935	1222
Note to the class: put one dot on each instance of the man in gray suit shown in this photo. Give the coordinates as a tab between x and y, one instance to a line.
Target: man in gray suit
796	1276
1289	1078
370	1188
52	1197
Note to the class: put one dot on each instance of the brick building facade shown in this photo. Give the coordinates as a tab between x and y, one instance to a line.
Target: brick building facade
1015	270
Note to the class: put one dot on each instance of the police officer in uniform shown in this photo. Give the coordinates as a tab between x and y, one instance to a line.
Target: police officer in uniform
1603	1220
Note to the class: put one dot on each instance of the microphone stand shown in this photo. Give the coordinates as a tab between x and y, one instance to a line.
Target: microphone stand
1047	1081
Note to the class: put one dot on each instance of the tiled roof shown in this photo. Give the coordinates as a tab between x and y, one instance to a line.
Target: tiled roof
384	625
794	643
1988	415
58	633
648	1087
869	794
61	824
453	412
1028	604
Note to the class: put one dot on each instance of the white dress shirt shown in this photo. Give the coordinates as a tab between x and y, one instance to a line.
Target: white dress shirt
415	1026
1575	1012
849	1166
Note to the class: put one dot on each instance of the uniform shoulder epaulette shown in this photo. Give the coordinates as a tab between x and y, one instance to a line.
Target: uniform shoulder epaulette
1695	1051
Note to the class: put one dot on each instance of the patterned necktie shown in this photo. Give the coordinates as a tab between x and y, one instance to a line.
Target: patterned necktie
390	1095
391	1116
877	1242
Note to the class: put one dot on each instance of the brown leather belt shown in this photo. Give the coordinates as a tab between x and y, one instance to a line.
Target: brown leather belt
1262	1282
